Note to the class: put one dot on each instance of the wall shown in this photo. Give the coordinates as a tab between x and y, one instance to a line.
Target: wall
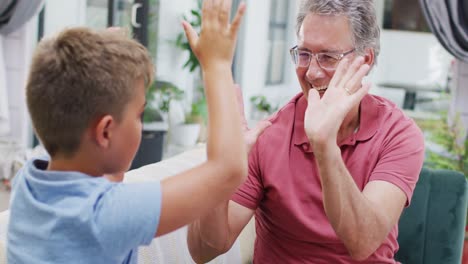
19	47
61	14
412	58
169	59
409	61
18	50
253	60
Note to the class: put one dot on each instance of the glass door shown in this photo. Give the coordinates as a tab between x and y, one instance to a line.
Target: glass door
140	17
97	13
131	14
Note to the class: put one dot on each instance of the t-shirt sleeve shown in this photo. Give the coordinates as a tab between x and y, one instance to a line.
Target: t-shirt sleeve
402	157
127	216
250	193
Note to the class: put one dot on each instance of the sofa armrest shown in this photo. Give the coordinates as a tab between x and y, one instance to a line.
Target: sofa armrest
247	242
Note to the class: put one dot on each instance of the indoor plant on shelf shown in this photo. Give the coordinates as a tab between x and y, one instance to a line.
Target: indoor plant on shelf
182	43
190	131
155	122
262	108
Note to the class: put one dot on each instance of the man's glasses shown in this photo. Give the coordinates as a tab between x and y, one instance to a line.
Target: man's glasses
326	60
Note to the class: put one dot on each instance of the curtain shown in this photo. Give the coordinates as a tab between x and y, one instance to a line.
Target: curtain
14	13
4	113
448	20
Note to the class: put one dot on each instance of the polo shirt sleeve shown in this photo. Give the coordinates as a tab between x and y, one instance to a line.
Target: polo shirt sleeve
250	193
401	157
127	216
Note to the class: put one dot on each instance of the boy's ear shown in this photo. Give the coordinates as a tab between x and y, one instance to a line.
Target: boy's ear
103	130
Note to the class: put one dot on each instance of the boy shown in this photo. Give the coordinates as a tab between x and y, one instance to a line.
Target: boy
86	95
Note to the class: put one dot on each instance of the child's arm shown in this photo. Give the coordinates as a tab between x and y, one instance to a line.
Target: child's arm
191	194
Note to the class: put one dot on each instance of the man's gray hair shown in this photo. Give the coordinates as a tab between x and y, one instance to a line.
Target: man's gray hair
360	14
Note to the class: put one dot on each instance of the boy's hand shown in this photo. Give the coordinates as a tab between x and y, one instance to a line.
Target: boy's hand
217	39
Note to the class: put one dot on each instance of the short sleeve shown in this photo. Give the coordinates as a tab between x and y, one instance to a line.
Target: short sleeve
250	193
127	216
401	157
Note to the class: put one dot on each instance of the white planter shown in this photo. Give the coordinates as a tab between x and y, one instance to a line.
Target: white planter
156	126
185	134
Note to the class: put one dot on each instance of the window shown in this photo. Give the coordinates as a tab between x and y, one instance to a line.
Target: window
404	15
277	37
140	16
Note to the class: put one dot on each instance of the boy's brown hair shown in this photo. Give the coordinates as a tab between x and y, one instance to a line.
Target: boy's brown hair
79	76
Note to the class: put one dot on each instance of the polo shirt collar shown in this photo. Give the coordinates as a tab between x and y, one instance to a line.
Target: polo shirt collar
368	124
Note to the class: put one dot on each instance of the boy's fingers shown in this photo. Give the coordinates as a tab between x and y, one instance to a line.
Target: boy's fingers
237	19
217	8
207	10
225	11
191	34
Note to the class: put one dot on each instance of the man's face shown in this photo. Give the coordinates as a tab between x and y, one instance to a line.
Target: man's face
322	34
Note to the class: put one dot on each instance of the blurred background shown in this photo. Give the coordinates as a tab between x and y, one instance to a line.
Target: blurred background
414	70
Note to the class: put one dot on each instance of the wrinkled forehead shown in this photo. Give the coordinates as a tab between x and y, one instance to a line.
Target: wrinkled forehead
325	32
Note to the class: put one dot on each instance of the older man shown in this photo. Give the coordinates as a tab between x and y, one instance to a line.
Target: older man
330	177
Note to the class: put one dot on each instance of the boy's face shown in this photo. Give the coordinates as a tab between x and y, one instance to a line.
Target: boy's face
127	133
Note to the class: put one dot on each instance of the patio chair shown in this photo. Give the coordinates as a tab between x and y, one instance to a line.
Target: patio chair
432	228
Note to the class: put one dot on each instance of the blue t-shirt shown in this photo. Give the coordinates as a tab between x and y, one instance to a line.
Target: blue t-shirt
71	217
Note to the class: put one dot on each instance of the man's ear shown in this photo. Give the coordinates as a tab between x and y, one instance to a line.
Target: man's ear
369	57
103	130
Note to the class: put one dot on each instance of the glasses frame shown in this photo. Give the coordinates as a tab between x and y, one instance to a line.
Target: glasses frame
293	52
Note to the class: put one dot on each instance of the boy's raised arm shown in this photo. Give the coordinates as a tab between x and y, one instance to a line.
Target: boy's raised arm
187	196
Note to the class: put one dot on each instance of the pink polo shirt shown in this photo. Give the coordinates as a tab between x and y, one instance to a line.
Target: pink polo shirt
284	189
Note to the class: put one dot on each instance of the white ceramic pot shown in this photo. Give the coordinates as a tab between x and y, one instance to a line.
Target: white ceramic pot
185	134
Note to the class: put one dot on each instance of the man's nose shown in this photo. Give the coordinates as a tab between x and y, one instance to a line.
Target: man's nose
314	71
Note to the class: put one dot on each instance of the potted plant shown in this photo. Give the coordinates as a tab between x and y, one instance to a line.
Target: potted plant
182	43
262	108
192	129
155	122
448	148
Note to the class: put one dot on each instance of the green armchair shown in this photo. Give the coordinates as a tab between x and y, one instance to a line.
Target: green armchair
432	228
